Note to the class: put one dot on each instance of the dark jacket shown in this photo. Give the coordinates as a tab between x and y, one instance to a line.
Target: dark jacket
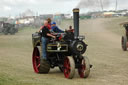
56	29
45	30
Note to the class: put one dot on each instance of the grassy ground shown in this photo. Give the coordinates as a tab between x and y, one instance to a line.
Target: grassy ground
104	51
15	56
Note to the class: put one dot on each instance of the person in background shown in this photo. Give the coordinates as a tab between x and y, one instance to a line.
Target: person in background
48	26
55	29
49	23
71	29
46	35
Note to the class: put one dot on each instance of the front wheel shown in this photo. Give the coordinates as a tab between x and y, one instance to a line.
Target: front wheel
69	67
84	69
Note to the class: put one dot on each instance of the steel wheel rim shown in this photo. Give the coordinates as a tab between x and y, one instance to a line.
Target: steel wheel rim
67	68
36	60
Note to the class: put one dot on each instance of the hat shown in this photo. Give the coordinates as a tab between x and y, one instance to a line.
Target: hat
53	23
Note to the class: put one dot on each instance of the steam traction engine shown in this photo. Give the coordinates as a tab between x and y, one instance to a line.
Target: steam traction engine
7	28
65	52
124	40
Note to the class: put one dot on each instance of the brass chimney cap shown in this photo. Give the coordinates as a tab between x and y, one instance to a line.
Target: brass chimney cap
76	10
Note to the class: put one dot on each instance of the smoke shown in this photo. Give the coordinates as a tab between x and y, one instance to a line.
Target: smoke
93	4
62	0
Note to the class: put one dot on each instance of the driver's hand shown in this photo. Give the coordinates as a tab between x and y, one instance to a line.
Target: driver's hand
54	37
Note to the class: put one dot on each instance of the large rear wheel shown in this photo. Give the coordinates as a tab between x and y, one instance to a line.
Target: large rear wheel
69	67
124	43
44	66
39	65
84	69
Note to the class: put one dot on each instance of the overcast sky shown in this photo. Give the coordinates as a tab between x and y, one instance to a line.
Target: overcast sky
14	7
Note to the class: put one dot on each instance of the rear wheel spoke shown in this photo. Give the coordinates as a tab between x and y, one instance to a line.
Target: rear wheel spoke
37	57
38	65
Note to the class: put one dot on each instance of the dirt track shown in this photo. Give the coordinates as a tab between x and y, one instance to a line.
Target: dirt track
104	51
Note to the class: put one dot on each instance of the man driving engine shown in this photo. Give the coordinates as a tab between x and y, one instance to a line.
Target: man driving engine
46	35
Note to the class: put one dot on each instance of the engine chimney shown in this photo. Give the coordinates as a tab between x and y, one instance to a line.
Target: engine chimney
76	21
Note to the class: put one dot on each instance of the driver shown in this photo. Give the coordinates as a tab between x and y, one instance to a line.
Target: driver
46	35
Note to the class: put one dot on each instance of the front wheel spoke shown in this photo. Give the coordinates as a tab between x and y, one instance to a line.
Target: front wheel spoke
82	71
83	66
68	71
68	63
68	67
65	71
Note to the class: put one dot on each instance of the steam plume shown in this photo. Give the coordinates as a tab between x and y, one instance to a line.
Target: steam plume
93	4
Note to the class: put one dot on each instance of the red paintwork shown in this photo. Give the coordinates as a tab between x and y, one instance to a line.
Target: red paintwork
36	60
82	68
60	37
67	68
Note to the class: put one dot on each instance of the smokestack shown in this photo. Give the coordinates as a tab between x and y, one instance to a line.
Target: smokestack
76	21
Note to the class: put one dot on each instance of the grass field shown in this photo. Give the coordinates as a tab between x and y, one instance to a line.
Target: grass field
104	51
